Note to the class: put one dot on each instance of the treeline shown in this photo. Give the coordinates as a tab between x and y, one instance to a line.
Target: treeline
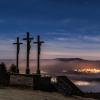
3	68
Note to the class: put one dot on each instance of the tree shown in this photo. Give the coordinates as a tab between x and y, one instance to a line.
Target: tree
3	69
13	68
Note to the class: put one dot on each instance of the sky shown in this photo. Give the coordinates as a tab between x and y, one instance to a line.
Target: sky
70	28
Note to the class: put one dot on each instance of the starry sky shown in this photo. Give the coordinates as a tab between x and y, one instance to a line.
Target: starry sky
70	28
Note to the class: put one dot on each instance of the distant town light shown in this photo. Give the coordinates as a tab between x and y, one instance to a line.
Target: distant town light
88	70
82	83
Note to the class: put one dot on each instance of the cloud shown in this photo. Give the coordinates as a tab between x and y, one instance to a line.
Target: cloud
71	53
60	46
75	37
92	38
66	39
66	21
61	39
6	49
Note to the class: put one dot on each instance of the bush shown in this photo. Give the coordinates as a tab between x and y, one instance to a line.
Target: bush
3	69
13	68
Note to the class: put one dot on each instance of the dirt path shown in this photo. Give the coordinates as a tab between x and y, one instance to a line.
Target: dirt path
17	94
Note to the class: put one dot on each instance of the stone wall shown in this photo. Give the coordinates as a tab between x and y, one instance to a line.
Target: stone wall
36	82
21	80
4	79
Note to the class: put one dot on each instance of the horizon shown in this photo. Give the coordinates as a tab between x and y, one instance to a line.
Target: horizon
56	59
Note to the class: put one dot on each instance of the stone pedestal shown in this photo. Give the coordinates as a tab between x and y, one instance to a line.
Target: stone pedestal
36	82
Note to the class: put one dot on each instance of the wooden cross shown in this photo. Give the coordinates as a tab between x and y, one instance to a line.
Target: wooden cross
17	54
39	43
28	39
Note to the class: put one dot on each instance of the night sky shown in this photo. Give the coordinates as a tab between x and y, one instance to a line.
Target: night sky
70	28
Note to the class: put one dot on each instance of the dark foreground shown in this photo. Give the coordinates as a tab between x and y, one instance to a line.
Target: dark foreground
25	94
93	95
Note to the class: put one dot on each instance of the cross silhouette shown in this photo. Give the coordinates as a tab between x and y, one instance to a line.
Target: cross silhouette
18	43
39	43
28	39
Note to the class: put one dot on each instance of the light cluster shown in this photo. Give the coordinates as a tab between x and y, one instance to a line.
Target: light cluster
88	70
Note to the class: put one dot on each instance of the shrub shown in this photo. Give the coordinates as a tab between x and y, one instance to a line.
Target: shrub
3	69
13	68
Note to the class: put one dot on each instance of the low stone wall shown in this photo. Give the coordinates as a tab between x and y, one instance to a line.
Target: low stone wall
21	80
35	82
4	79
59	83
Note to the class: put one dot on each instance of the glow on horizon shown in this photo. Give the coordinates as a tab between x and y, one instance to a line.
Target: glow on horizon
82	83
88	70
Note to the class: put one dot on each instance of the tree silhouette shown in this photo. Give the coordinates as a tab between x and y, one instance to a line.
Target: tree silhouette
3	69
13	68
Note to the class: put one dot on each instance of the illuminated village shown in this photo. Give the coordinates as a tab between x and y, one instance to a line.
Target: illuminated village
88	70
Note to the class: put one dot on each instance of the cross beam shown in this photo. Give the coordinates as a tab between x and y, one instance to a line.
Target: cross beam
28	39
39	43
18	43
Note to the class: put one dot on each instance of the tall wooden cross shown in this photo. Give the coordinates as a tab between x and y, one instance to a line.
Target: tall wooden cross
28	39
39	43
18	43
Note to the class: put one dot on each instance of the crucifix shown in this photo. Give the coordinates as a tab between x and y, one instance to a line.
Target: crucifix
28	39
17	54
39	43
